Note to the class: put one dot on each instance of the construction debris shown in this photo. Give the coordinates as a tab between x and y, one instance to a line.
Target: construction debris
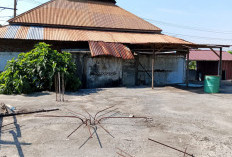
26	112
184	152
3	109
93	122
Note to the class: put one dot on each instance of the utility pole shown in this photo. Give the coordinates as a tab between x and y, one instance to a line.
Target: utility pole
15	7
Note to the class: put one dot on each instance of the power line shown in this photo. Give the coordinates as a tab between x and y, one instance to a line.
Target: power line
188	27
200	37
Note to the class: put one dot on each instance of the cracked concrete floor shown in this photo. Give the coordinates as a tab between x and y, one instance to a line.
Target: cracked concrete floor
181	118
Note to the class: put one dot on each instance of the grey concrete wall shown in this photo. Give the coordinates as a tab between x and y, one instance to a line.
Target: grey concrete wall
6	56
103	72
169	69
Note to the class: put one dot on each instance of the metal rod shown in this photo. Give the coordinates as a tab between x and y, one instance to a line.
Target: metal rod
74	112
75	130
107	113
52	116
7	124
171	147
102	111
59	86
86	140
121	154
63	88
121	118
125	152
106	130
31	112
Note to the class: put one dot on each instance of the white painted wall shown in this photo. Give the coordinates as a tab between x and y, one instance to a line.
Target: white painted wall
5	56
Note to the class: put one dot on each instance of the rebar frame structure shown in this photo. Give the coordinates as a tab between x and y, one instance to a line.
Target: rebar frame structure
60	87
93	122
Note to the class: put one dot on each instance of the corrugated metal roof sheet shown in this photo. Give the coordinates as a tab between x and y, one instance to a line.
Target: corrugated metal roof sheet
64	34
84	13
208	55
113	49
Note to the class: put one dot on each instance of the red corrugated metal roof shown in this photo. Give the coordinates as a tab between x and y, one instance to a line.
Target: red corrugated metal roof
112	49
65	34
208	55
84	13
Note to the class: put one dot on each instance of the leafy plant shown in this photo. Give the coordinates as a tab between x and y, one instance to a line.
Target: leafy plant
34	71
193	65
230	52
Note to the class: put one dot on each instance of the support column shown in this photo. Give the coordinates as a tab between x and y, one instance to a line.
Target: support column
153	62
187	69
220	64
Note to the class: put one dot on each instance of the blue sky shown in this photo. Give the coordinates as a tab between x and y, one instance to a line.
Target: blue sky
199	21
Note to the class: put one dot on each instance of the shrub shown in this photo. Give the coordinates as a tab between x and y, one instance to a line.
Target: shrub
34	71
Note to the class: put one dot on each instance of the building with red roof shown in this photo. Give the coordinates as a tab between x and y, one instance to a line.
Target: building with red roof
208	63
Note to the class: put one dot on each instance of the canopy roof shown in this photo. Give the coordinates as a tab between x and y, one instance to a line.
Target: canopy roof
208	55
66	34
84	13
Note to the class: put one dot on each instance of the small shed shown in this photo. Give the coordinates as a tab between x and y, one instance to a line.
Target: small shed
207	62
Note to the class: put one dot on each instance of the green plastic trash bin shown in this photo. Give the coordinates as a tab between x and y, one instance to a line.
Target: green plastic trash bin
212	84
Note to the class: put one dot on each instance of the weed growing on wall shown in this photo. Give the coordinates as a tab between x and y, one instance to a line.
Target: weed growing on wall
34	71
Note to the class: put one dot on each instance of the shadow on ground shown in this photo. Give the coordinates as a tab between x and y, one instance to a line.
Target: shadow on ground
15	131
83	92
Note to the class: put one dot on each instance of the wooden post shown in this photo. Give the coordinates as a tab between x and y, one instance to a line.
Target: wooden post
220	64
187	69
153	62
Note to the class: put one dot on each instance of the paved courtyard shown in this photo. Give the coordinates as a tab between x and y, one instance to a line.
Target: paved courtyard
180	118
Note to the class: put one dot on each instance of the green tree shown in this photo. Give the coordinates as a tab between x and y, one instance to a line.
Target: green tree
193	65
34	71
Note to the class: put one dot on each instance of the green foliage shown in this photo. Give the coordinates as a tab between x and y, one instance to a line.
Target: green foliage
230	52
193	65
34	71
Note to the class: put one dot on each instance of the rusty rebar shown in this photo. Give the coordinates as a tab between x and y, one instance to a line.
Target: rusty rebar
171	147
121	118
125	152
52	116
107	113
7	125
74	112
103	111
75	130
106	130
87	140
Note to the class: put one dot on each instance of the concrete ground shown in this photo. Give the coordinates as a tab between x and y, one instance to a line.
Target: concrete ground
181	118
